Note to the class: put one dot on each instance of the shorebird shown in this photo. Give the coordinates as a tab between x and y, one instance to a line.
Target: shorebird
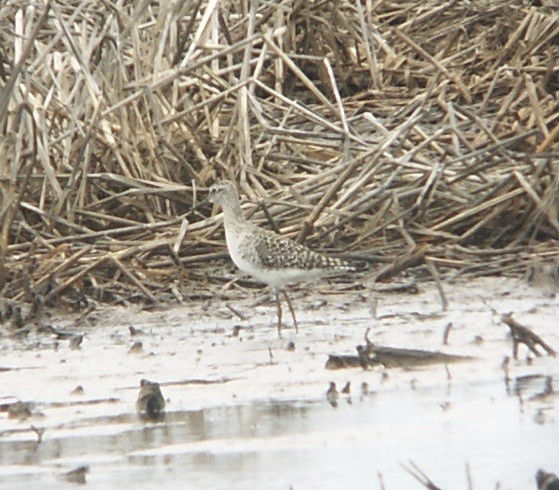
270	258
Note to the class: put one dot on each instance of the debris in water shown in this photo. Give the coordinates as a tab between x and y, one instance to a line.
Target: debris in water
370	355
332	395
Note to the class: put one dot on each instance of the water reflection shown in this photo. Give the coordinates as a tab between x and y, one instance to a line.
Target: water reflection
274	444
127	433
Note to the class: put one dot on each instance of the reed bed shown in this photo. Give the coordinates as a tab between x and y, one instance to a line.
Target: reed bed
404	133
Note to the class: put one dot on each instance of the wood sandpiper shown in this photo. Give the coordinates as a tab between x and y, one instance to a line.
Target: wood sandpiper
270	258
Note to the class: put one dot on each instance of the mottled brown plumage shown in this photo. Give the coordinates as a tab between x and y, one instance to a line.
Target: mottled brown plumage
270	258
276	252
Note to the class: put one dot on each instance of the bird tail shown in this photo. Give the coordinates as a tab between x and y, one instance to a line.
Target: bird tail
349	265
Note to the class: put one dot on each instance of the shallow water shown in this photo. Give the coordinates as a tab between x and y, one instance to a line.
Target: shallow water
246	412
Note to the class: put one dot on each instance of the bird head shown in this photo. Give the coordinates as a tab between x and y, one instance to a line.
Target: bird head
222	191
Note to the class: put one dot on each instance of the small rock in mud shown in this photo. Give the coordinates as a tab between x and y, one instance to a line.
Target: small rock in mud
364	388
37	308
77	475
478	340
547	481
17	319
332	395
78	390
76	341
136	347
19	410
544	276
150	403
135	331
540	419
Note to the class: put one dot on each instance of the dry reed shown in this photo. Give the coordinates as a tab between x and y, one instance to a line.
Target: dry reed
407	132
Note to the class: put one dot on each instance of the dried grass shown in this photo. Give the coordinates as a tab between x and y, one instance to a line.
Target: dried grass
408	131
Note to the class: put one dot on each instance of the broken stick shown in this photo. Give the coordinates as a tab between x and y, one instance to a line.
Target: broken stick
523	335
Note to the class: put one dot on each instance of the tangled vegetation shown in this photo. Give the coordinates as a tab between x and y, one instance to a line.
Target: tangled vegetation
404	133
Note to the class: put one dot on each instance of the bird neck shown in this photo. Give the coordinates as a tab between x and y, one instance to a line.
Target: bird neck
232	211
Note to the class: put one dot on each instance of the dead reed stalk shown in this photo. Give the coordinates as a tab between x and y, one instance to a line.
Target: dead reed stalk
382	128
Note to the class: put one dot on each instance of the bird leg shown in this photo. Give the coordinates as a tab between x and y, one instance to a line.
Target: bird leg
278	305
291	309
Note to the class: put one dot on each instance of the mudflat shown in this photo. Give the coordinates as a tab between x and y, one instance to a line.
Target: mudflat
247	409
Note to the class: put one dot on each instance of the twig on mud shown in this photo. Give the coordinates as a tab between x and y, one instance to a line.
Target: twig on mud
469	477
236	312
435	273
381	481
374	307
39	431
196	381
420	476
371	355
368	341
446	333
447	370
505	364
523	335
485	302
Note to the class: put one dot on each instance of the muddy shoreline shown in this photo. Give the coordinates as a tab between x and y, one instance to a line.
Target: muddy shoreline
246	409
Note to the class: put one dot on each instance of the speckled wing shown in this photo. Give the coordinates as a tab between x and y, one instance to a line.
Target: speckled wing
277	252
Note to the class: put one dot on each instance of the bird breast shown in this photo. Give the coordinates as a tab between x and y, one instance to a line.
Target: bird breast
243	249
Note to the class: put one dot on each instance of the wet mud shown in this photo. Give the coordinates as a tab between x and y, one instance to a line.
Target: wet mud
242	408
